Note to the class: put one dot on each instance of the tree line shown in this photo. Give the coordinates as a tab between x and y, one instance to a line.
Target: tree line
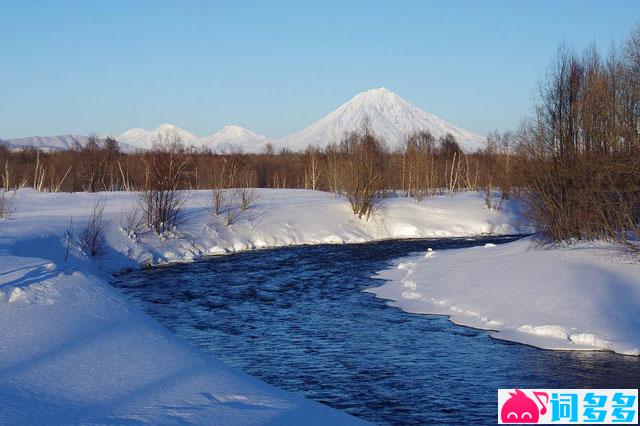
580	152
426	165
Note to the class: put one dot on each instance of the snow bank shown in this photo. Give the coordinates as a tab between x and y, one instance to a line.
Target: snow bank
278	218
73	350
581	297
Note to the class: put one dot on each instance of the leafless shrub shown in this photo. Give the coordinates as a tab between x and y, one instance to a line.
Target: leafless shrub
132	221
247	198
166	168
7	203
488	197
91	238
222	174
231	216
231	205
499	158
227	209
217	195
223	205
68	236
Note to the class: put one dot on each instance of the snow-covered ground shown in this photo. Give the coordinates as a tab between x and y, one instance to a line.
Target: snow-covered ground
73	350
580	297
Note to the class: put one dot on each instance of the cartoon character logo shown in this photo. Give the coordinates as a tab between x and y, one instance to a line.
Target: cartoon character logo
519	408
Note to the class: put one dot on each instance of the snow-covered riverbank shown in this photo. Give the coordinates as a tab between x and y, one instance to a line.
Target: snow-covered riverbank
581	297
75	351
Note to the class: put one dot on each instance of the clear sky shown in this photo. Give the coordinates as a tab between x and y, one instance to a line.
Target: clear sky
277	66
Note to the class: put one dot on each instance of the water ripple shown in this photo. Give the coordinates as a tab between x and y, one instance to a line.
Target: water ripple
298	319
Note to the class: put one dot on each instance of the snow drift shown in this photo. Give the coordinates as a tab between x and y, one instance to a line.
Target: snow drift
582	297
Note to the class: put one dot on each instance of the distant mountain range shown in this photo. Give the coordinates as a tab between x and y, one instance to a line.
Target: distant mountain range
47	143
54	143
389	117
229	138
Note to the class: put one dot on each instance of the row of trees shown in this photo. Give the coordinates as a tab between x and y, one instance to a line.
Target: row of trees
425	166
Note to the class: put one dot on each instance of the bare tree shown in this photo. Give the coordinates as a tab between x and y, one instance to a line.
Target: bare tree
166	169
312	170
417	164
361	174
581	149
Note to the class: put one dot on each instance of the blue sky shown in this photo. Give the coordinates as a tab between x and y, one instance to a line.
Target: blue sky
277	66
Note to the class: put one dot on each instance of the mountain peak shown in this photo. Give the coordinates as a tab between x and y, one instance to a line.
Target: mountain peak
234	130
389	117
232	137
377	95
144	139
166	127
379	91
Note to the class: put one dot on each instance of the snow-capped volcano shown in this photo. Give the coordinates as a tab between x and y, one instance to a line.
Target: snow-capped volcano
389	116
234	137
144	139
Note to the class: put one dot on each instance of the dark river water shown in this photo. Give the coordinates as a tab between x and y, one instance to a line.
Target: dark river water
297	318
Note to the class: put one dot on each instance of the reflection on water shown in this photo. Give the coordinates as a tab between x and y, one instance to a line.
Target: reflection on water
298	319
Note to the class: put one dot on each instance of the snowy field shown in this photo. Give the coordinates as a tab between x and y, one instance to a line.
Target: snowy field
581	297
75	351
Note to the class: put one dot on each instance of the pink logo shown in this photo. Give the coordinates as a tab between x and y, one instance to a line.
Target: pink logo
519	408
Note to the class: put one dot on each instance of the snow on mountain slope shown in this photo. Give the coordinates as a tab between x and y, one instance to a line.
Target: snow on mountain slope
53	143
130	140
144	139
390	117
47	143
235	137
228	138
